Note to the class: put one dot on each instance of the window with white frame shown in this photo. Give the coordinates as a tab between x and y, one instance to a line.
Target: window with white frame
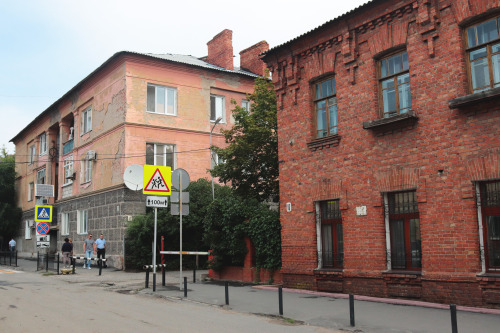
43	144
215	160
27	229
40	176
65	224
31	158
82	223
85	170
86	120
161	99
217	107
68	170
245	104
31	188
160	154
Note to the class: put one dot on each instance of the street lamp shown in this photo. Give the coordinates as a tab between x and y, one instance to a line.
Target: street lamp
211	156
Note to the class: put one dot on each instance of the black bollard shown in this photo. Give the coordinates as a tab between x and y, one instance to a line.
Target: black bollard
226	287
73	261
58	264
37	260
453	310
16	258
147	277
154	281
100	266
351	309
47	261
185	286
194	275
280	299
163	275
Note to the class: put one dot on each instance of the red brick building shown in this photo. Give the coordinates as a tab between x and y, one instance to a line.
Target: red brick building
389	123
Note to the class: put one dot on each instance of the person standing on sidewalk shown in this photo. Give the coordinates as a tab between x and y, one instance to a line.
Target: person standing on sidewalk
101	248
89	249
12	245
66	250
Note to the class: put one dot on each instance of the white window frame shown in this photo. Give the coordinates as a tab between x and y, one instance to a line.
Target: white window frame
68	170
27	229
64	224
167	90
86	122
219	112
85	170
31	189
43	144
215	159
245	104
38	173
32	152
164	153
82	222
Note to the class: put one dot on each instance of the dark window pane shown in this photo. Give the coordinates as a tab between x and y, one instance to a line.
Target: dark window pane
151	99
150	157
471	36
169	149
327	245
493	230
487	31
398	257
334	87
340	246
212	108
416	251
405	61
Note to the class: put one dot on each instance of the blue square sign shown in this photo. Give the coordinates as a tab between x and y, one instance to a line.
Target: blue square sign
43	213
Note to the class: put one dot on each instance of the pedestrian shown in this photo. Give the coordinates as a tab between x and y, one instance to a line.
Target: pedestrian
66	250
101	248
89	249
12	245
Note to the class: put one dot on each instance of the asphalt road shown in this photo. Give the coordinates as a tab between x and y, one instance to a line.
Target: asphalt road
34	302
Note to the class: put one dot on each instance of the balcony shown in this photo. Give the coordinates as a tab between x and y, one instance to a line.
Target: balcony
67	147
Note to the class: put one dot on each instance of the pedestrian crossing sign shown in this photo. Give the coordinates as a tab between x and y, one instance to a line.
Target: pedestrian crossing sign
43	213
157	180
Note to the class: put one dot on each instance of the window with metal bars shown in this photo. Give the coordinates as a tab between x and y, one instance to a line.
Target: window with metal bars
332	241
490	211
404	229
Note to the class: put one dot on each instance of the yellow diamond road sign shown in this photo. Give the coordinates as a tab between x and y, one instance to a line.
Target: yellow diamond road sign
157	180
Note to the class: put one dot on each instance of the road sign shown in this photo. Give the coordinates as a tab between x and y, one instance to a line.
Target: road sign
42	228
176	179
175	209
157	180
158	202
175	197
43	238
43	213
44	190
42	245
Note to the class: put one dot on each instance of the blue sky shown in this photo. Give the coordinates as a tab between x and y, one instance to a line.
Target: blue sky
48	46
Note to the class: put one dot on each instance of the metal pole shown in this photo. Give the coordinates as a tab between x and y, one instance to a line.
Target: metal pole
16	258
100	265
37	260
351	309
147	278
163	276
194	275
453	310
154	251
58	264
73	262
280	299
47	260
180	231
226	292
185	287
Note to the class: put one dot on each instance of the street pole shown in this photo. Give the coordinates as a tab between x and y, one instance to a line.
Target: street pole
211	157
154	252
180	211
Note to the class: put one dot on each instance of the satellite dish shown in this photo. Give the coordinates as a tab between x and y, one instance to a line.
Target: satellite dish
132	177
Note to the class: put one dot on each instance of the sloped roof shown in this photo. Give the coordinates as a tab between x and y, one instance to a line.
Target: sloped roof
177	58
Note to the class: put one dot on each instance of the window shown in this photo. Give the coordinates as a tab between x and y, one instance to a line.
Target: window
31	158
483	49
40	176
162	100
31	188
325	103
245	104
395	84
217	107
65	224
215	160
332	240
160	154
85	170
82	222
490	211
404	230
68	170
27	229
86	120
43	144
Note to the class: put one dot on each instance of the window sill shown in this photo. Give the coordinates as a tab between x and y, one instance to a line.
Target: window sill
67	184
402	273
325	142
472	99
495	276
164	114
328	271
396	121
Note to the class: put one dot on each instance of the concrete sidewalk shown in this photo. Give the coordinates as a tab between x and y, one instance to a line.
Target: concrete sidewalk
328	310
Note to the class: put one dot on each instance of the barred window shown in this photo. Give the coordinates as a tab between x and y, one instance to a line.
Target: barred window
332	240
490	211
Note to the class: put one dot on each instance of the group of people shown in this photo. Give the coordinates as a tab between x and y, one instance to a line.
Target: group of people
90	247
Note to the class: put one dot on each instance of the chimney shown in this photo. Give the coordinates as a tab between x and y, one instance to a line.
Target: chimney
220	50
250	60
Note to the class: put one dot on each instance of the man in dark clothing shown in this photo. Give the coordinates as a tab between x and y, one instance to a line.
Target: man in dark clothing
67	250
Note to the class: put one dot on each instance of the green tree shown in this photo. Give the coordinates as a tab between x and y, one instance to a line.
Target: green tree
251	156
10	215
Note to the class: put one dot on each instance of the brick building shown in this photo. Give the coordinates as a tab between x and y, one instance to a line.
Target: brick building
134	109
389	149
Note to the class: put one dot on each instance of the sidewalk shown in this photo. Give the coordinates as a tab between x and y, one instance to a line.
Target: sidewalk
375	315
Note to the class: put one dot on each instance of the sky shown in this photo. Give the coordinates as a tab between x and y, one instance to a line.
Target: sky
48	46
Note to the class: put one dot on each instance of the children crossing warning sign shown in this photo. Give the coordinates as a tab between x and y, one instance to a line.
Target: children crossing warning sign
43	213
157	180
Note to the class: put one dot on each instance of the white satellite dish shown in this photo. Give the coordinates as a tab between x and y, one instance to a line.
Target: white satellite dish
133	176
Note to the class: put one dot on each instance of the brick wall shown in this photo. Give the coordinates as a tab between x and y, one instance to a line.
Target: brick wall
249	58
220	50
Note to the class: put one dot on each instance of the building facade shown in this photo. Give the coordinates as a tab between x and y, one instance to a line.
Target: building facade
135	108
389	149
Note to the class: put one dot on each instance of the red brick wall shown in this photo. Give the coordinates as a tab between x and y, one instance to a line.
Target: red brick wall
363	163
220	50
250	60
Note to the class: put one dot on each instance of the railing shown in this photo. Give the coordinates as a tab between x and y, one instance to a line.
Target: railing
67	147
8	258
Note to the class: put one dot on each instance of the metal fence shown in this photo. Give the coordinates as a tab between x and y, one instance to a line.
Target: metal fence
47	262
8	258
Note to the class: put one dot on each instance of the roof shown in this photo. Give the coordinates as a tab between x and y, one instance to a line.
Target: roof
177	58
338	18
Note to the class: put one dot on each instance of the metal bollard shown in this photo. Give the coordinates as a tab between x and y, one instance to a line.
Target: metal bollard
73	263
163	275
154	280
58	264
280	300
453	310
351	309
47	261
185	286
147	278
226	287
100	266
37	261
194	275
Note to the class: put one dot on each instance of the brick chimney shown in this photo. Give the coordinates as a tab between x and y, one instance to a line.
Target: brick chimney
220	50
249	58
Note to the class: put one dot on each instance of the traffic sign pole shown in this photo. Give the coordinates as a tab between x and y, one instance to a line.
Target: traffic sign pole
180	207
154	251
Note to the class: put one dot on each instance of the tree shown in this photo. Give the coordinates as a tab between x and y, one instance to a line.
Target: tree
10	215
251	157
